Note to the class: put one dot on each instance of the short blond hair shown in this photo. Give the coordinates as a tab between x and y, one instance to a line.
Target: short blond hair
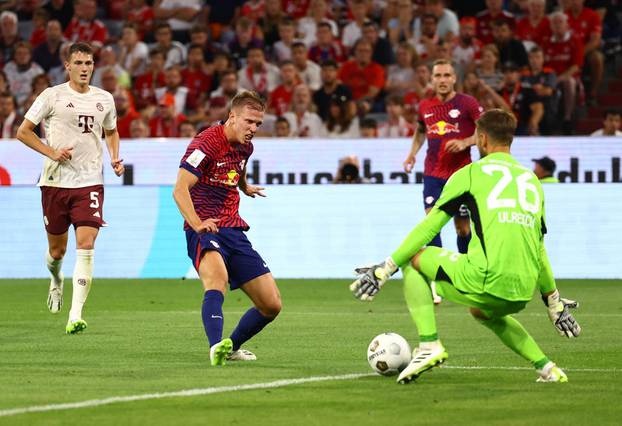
248	98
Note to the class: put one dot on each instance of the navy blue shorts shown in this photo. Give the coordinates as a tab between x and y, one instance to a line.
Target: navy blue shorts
242	261
432	188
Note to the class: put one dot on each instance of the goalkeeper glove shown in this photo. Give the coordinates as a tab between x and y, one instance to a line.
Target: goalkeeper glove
371	279
560	315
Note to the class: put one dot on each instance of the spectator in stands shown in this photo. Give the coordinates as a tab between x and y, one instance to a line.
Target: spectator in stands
60	10
400	26
269	22
611	124
331	87
218	106
110	84
4	82
308	26
535	27
364	77
280	99
342	121
401	76
165	123
133	54
383	51
174	51
40	19
587	26
221	63
9	118
243	42
396	125
187	129
174	86
39	84
308	70
108	59
494	10
85	27
544	168
488	69
527	108
253	9
511	50
219	15
47	54
58	74
199	34
145	84
354	29
426	42
140	14
487	97
126	114
258	75
467	49
21	71
9	35
139	129
179	15
302	120
421	89
287	35
369	128
196	77
563	52
447	22
281	128
297	9
326	47
542	81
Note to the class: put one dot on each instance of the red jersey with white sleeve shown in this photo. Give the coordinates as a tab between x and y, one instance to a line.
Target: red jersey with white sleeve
218	164
444	121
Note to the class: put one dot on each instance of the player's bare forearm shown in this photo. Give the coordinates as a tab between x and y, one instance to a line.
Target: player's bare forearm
249	190
417	142
112	142
181	195
26	134
457	145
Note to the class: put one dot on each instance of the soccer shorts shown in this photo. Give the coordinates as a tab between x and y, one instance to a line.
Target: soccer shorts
243	263
457	281
63	207
432	188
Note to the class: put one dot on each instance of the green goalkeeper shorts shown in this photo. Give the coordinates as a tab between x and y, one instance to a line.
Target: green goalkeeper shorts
457	281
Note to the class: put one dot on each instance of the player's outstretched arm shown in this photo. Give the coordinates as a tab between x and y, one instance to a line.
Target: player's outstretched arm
247	189
371	279
26	134
417	142
181	195
112	142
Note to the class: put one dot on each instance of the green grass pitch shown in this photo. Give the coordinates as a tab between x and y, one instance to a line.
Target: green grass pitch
146	337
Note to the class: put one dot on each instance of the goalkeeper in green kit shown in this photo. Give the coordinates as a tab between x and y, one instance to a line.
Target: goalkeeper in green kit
505	263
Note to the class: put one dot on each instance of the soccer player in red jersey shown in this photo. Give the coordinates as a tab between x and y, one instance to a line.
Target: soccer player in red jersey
206	193
447	119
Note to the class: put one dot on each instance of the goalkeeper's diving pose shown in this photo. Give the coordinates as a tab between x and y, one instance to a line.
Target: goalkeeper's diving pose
505	262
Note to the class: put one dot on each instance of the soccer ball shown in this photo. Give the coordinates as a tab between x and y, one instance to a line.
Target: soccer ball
388	354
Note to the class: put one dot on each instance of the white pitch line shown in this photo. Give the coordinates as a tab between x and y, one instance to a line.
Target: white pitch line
183	393
267	385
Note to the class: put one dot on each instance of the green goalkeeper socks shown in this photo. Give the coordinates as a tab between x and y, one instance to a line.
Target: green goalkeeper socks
419	300
515	337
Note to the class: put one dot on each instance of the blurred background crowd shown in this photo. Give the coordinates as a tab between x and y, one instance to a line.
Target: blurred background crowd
328	68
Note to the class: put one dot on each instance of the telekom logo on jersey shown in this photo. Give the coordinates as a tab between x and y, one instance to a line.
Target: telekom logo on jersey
86	123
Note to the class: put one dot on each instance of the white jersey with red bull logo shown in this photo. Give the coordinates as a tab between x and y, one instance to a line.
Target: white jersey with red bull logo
444	121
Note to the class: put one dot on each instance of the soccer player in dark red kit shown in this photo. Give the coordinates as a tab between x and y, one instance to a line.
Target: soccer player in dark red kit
447	119
206	193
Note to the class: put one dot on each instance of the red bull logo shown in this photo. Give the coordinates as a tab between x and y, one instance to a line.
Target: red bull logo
442	128
231	178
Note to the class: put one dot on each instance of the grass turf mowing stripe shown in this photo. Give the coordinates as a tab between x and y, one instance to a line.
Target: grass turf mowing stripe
266	385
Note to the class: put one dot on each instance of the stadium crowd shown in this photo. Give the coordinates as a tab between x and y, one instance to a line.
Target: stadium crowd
328	68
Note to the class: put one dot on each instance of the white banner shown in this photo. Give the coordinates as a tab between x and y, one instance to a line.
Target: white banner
314	161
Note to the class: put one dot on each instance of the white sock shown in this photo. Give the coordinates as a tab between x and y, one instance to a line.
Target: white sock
82	278
430	345
54	266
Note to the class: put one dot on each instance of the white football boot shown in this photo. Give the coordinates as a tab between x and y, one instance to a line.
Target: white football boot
55	295
425	357
551	373
241	355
